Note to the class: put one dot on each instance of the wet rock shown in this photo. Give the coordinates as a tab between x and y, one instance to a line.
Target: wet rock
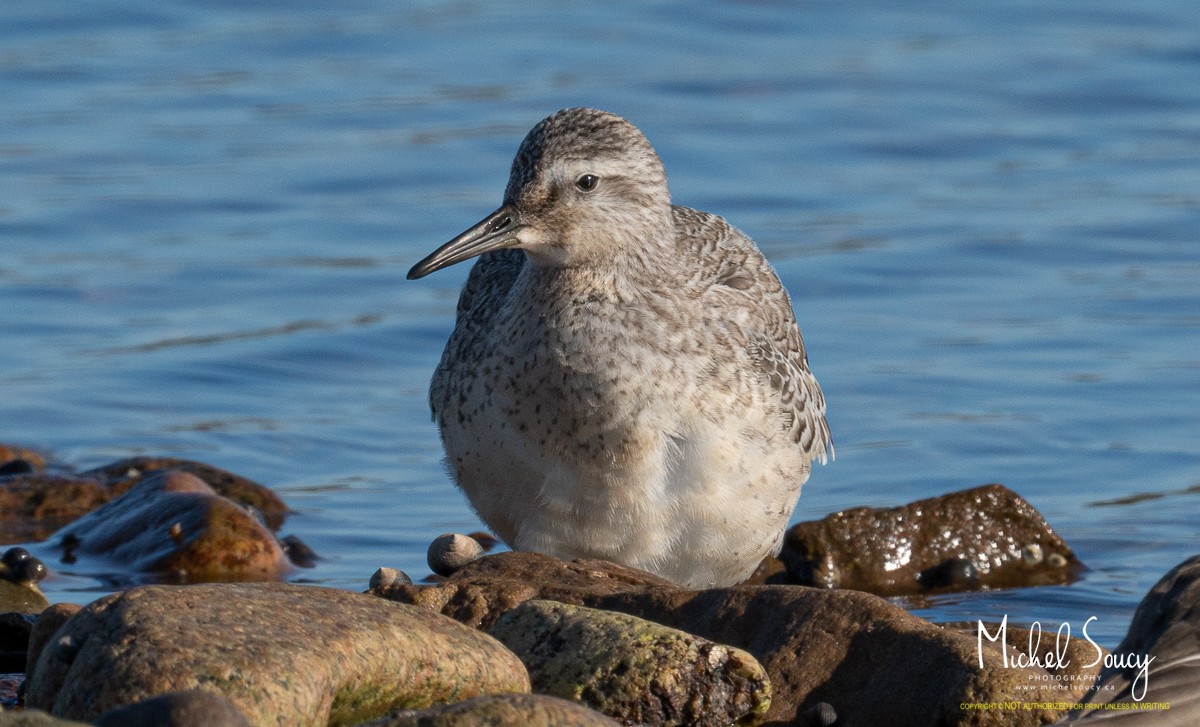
13	453
631	669
18	565
174	526
282	654
124	474
298	552
192	708
816	645
986	537
1164	638
19	576
32	507
451	551
500	710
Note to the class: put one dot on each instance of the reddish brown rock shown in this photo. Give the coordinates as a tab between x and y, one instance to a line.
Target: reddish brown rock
872	661
173	526
986	537
34	506
124	474
282	654
14	453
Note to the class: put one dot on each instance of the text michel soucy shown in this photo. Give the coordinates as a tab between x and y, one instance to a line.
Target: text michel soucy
1057	659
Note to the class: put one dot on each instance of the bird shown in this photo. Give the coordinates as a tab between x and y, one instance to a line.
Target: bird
626	380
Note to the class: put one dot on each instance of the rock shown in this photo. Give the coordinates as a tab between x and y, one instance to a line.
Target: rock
1164	637
21	597
13	453
282	654
15	629
35	718
192	708
48	621
633	670
500	710
33	506
816	645
385	579
986	537
451	551
20	573
485	590
172	525
770	570
18	565
16	467
124	474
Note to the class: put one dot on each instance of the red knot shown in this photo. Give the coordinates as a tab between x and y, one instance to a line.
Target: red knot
625	379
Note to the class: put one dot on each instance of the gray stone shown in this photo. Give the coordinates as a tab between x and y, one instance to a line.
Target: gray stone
192	708
1166	631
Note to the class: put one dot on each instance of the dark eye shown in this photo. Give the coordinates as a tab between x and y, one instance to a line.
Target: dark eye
587	182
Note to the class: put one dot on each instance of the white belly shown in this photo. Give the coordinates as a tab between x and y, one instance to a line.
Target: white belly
697	501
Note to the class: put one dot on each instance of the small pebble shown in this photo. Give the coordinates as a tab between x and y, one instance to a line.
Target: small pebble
387	577
821	714
452	551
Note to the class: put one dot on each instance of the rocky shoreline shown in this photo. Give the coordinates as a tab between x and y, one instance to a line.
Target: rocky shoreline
526	639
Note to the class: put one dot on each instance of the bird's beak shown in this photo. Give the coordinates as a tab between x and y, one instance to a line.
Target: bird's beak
494	232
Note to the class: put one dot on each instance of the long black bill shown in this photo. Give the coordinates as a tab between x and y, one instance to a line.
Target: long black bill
495	232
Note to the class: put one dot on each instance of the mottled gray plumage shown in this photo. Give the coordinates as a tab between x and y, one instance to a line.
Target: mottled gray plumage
626	379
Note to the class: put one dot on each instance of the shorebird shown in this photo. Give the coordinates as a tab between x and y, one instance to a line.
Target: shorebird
625	380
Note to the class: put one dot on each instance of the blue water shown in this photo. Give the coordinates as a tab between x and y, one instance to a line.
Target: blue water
988	215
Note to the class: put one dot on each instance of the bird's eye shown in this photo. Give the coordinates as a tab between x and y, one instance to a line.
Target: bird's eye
587	182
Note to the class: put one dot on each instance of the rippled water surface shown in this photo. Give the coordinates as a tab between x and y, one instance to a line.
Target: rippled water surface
987	214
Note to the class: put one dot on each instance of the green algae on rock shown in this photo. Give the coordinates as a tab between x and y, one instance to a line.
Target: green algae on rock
282	654
816	645
634	670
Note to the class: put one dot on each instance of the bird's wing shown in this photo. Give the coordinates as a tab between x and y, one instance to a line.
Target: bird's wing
732	261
